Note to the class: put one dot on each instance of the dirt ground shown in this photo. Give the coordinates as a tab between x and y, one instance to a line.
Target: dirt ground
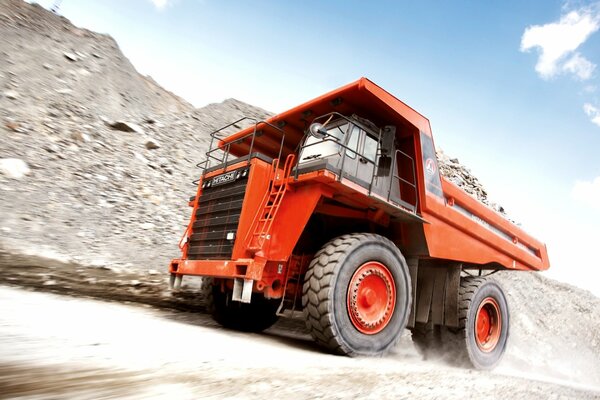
63	347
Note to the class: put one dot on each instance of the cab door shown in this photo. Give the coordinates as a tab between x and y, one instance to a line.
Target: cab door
359	158
367	158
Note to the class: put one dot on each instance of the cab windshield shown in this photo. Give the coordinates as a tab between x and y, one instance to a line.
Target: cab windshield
329	145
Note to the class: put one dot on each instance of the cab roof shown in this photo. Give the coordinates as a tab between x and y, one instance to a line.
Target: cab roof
362	97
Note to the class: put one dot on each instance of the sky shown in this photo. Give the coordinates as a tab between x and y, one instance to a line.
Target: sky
512	88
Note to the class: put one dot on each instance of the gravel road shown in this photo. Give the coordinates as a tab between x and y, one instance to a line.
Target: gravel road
64	347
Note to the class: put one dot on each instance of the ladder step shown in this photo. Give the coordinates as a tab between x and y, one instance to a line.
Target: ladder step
278	187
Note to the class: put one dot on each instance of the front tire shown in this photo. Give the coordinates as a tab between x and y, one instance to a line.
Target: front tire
357	295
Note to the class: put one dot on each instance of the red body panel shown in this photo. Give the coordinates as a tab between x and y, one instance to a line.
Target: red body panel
454	236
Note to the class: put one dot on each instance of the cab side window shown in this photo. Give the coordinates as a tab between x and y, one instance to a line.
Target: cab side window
370	149
353	142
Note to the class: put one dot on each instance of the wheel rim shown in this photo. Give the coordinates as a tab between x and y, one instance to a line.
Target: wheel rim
371	297
488	324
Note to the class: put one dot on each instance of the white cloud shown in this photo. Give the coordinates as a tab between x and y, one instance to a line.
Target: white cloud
588	192
592	112
161	4
579	66
558	40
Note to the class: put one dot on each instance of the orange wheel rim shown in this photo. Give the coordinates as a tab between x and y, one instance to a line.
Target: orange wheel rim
488	325
371	297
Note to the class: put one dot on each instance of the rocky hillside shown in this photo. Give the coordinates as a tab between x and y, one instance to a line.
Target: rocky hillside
48	64
97	160
96	165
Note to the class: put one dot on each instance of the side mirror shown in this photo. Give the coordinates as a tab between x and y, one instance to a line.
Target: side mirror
317	130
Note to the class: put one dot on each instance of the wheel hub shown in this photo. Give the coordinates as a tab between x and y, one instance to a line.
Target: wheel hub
488	324
371	297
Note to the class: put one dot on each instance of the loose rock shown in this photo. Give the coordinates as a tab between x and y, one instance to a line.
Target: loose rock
14	168
125	126
152	144
11	94
13	126
70	56
80	137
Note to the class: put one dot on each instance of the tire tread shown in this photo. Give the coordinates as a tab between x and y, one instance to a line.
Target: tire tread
319	284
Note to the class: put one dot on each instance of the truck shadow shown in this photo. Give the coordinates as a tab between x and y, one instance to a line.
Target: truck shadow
290	332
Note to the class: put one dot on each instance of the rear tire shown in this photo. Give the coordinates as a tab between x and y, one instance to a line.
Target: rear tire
483	321
255	316
357	295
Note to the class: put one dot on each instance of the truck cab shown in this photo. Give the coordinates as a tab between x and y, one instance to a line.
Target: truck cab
367	155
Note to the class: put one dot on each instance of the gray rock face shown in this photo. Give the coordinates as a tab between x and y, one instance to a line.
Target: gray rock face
110	155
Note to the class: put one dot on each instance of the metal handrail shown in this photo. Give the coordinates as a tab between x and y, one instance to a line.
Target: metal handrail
265	198
206	163
213	135
400	179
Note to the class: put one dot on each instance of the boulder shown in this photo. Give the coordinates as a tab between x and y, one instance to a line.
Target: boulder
152	144
14	168
11	94
124	126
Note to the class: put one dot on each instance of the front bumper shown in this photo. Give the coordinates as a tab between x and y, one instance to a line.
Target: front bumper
241	268
243	272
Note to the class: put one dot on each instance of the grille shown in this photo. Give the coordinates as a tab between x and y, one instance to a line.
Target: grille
217	217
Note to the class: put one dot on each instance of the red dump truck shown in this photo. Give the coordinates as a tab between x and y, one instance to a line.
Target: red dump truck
336	210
